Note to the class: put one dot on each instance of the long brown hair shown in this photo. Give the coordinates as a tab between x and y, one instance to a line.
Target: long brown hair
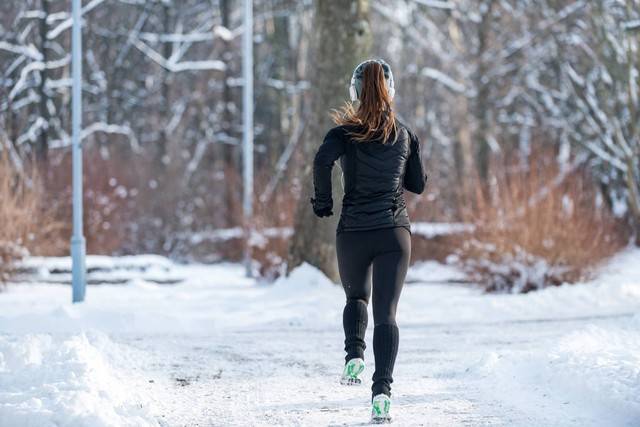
374	117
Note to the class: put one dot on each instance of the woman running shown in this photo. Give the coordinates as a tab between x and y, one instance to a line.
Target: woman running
379	156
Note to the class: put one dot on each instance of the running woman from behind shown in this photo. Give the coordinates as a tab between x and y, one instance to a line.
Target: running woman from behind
379	157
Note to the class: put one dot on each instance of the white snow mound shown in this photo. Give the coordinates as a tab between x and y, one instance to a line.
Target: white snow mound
593	371
304	276
50	382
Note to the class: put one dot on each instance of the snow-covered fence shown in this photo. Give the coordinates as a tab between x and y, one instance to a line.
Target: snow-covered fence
100	270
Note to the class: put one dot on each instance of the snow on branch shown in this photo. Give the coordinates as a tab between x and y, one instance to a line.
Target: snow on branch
436	4
31	14
125	130
290	87
29	51
57	16
211	64
218	31
281	165
36	66
176	38
441	77
39	125
542	30
66	24
603	155
174	66
631	25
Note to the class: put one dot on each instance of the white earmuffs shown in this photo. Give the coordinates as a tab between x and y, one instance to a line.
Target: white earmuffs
357	75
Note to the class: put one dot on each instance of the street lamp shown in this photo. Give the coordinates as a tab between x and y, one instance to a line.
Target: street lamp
247	134
78	244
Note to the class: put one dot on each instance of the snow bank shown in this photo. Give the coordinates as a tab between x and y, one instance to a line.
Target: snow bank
215	297
561	356
614	291
302	278
100	269
304	298
433	271
594	372
99	262
430	230
46	381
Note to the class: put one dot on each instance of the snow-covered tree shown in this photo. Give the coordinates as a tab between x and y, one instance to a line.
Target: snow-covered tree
602	90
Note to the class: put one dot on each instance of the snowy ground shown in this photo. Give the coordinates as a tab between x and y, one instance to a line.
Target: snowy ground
221	350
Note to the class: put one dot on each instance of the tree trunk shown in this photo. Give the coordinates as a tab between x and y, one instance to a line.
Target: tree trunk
482	107
43	110
165	88
231	152
634	196
342	39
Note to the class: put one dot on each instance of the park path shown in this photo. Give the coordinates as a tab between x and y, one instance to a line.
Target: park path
219	349
286	374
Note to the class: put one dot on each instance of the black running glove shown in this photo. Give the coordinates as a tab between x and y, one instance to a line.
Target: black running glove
322	209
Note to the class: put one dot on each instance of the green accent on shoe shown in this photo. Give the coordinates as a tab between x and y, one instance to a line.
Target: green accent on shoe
376	408
352	369
380	408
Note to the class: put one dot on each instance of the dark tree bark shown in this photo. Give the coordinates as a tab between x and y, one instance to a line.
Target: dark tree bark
342	38
230	152
43	110
165	91
482	102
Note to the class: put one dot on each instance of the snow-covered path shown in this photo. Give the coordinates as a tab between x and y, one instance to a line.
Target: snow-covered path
222	350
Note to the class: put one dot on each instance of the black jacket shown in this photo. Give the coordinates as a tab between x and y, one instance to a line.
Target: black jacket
374	177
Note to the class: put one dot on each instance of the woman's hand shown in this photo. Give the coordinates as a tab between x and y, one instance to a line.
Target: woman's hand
322	209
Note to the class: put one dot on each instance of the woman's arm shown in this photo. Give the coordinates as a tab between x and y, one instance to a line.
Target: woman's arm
330	150
415	177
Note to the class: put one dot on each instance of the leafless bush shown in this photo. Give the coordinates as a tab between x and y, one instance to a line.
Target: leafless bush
134	205
536	224
432	207
25	222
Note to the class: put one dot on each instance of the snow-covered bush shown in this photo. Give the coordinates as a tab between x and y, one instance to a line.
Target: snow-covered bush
537	223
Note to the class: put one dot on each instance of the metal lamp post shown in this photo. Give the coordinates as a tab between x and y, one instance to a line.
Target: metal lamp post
78	244
247	134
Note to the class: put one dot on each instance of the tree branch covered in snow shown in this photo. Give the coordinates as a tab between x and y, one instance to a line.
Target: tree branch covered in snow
436	4
66	24
175	67
99	127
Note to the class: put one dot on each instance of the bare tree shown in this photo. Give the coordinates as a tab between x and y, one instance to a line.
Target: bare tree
342	39
603	92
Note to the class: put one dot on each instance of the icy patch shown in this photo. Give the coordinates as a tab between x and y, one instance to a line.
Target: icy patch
49	382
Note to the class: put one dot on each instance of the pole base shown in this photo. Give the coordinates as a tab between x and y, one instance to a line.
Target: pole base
78	268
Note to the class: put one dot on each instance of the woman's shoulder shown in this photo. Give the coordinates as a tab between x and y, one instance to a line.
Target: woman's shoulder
402	125
341	131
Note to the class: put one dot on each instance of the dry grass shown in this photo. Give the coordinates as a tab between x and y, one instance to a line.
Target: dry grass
25	222
535	225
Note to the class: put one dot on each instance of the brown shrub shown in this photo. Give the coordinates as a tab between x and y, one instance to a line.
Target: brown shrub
435	206
535	225
274	219
134	205
25	221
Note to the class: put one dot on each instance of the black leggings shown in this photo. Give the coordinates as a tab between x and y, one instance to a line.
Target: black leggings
382	257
